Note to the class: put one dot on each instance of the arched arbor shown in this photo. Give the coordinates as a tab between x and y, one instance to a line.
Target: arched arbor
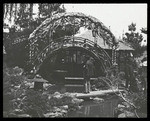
58	32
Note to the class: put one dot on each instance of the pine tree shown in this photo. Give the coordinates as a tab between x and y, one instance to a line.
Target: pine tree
134	39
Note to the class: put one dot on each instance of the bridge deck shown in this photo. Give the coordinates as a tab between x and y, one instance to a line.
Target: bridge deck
78	78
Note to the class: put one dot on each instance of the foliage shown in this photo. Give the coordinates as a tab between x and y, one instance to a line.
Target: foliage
132	100
20	100
11	82
132	103
135	39
24	12
22	15
144	30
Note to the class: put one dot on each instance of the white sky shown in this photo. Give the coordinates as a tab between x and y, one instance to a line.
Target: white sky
117	16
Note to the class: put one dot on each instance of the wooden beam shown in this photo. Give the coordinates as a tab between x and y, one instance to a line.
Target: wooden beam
37	80
96	93
73	85
78	78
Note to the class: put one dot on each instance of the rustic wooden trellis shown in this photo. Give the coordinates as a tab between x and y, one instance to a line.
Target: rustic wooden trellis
44	34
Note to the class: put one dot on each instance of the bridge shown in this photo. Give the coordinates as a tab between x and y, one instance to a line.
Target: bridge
43	45
47	46
72	42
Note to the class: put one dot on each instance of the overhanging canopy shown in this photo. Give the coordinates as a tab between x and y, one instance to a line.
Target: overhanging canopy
50	24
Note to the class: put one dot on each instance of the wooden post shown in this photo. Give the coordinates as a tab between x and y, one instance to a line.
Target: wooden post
115	55
112	55
73	29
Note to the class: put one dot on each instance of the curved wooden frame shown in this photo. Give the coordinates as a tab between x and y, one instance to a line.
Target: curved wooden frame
66	42
45	31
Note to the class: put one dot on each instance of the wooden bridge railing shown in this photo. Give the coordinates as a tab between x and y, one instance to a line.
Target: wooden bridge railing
68	42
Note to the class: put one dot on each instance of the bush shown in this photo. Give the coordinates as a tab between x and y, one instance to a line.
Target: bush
20	100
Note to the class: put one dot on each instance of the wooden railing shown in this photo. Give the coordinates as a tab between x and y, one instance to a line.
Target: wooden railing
65	42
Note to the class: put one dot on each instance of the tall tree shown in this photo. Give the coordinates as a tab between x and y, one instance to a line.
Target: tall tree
22	14
134	39
22	17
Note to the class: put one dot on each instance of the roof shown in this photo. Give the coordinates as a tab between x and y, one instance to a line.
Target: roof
100	41
124	46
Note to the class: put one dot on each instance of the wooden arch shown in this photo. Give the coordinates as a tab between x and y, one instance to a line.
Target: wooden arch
42	36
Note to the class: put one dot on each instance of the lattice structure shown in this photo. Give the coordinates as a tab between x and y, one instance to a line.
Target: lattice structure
101	55
41	41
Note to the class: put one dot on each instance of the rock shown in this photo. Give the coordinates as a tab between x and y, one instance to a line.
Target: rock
65	107
18	71
18	99
121	109
23	115
58	114
57	95
126	104
122	115
63	111
79	107
29	84
77	101
57	109
18	111
49	97
121	106
69	94
130	114
98	99
126	114
49	114
17	87
46	85
12	115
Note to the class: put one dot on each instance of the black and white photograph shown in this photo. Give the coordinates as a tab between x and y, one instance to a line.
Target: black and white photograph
71	60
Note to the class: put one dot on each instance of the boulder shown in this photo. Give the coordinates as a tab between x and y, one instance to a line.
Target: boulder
51	114
65	107
23	115
127	105
46	86
127	114
122	115
77	101
130	114
18	111
57	95
121	106
12	114
97	99
56	109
